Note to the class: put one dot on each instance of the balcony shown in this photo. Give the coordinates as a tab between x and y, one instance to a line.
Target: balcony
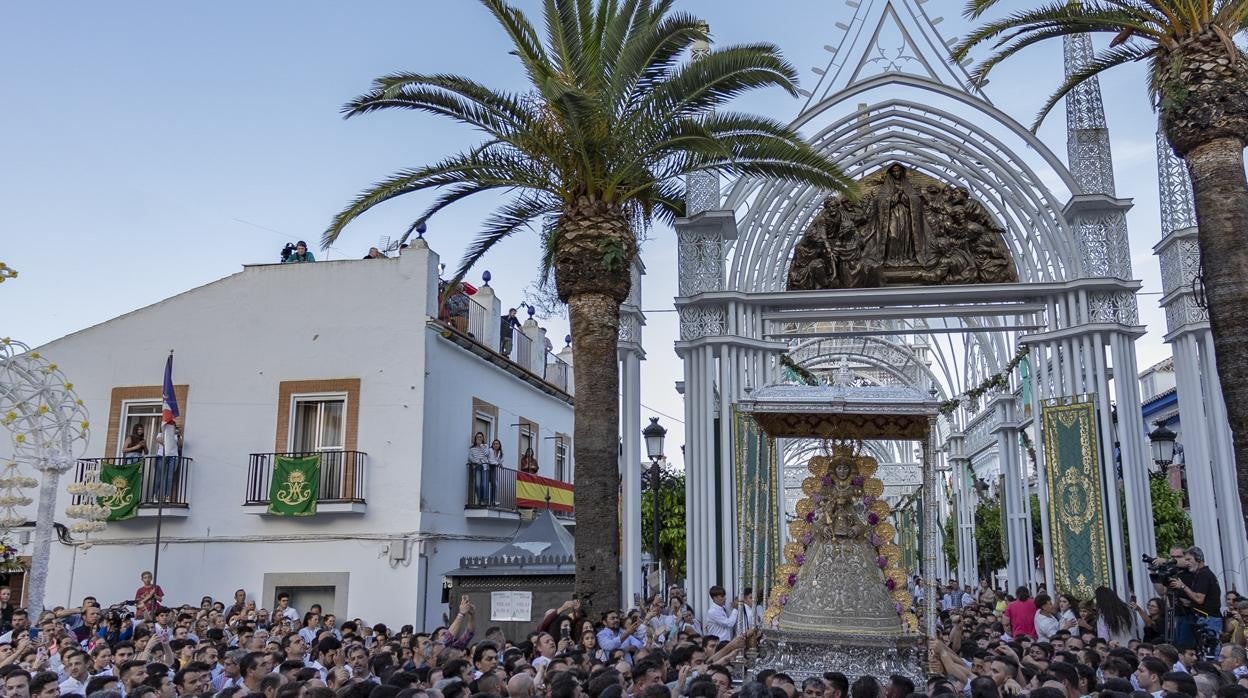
508	493
176	505
342	481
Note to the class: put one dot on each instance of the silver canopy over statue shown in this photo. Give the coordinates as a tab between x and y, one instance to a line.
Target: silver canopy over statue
908	229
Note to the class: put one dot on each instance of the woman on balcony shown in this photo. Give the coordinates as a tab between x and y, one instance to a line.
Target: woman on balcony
479	459
528	462
135	446
496	462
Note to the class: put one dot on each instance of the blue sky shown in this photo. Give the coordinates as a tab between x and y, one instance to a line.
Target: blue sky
151	147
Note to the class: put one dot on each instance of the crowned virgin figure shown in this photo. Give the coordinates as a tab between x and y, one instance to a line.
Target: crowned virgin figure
840	588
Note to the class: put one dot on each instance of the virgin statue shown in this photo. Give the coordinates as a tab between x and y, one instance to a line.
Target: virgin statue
899	221
840	588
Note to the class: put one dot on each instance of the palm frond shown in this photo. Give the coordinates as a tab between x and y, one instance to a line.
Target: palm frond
506	219
528	45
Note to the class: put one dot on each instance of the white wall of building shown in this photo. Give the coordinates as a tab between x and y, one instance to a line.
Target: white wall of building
235	340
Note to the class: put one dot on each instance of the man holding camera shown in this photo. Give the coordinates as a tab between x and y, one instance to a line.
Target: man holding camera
1200	596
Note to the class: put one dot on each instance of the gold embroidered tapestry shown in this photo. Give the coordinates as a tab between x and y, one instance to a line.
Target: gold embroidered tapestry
758	512
1076	498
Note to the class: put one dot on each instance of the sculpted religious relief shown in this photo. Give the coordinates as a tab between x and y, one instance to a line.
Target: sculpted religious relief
908	229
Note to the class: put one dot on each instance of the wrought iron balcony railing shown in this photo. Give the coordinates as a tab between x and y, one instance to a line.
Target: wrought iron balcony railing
342	476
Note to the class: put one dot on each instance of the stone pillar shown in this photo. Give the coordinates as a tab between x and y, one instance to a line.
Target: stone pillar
488	300
631	355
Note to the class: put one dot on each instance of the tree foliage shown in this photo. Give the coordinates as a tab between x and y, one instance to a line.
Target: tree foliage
671	519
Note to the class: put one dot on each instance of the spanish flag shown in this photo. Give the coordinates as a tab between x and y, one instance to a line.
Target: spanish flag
532	492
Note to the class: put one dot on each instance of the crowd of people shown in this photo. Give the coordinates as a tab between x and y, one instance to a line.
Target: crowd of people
988	645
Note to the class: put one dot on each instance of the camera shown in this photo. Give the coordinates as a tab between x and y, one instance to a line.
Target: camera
1161	571
288	250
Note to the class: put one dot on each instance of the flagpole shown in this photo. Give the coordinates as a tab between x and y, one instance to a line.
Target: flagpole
162	486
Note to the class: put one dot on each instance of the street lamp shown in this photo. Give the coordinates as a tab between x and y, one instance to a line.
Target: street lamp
1162	441
654	435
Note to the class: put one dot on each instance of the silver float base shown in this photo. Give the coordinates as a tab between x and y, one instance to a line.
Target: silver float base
803	654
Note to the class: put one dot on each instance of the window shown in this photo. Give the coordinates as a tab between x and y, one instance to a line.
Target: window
528	439
135	413
562	472
319	423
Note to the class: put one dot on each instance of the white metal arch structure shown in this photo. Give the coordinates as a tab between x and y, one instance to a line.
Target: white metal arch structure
773	216
1074	305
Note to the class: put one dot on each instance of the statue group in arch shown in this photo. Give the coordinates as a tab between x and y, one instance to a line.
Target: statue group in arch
907	229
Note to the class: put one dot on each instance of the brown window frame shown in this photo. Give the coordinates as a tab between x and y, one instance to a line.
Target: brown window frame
138	393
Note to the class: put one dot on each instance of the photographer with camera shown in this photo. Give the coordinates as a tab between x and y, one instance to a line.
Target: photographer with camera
297	253
1201	594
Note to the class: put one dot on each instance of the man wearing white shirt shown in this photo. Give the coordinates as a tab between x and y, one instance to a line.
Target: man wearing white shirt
284	610
1047	623
719	621
76	675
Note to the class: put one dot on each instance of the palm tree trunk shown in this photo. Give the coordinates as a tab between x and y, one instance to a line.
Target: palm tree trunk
595	322
1221	192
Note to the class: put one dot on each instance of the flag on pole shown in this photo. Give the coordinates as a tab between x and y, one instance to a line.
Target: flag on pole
169	401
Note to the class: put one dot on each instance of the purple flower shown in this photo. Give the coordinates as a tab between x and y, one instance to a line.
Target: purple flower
806	539
890	584
881	562
876	541
873	518
899	608
868	499
810	517
816	498
857	481
792	580
784	599
827	480
800	559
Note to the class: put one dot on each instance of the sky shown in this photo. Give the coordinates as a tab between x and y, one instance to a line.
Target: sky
151	147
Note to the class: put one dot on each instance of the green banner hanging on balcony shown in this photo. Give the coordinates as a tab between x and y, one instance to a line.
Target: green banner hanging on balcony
292	491
1076	501
127	481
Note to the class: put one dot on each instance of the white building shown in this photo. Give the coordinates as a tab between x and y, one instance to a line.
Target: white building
345	358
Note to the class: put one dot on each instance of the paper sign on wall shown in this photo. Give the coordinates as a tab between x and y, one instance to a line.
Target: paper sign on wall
511	605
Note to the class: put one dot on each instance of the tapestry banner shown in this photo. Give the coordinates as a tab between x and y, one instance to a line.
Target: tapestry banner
294	486
1076	499
127	482
758	512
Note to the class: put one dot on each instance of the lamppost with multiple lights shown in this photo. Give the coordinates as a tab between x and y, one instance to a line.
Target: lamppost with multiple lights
1162	441
654	435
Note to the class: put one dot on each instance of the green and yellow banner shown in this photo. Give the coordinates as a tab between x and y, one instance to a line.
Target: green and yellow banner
758	511
293	488
127	481
1076	498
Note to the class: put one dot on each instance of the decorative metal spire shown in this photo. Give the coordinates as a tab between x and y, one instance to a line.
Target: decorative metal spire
1178	204
1087	145
701	188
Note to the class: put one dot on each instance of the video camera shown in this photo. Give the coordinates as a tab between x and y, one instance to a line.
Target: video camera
288	250
1162	571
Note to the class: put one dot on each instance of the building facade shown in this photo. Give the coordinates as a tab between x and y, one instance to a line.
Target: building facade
345	359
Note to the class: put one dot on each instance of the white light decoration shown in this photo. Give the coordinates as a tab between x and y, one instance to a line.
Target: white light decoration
48	424
92	517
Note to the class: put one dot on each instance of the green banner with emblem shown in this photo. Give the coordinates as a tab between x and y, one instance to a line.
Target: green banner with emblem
758	511
293	488
127	481
1076	498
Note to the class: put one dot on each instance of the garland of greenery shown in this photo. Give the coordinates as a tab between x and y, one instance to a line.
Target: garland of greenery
1031	449
803	374
999	381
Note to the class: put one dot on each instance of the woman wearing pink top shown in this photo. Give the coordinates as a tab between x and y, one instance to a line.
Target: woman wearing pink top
1020	615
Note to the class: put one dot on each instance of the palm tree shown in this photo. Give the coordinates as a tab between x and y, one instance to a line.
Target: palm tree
1198	81
611	120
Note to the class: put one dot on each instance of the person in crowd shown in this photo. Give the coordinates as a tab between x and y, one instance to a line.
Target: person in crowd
1066	617
148	597
1020	615
479	459
135	445
508	324
374	253
1201	593
456	307
721	622
528	462
495	461
300	254
1114	621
